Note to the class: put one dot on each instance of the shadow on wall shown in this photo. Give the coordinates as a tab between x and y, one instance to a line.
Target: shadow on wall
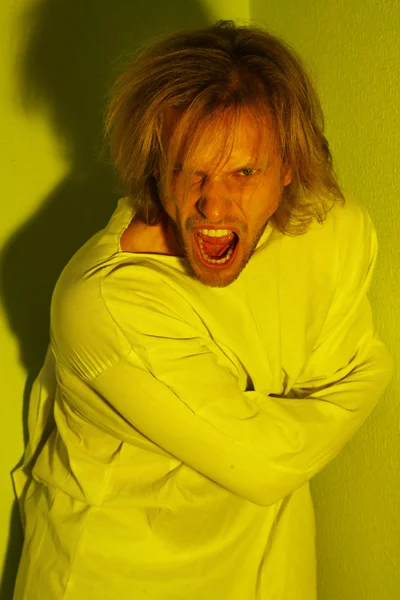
69	56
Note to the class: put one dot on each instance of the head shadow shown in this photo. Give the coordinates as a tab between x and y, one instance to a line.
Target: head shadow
69	55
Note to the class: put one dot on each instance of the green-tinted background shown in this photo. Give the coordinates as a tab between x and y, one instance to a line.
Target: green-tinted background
56	60
353	49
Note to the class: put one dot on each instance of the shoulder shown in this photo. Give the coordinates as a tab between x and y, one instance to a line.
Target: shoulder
316	264
351	240
345	249
346	230
103	309
353	234
349	218
84	335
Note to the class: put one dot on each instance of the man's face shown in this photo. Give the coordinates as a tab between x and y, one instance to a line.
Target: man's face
239	198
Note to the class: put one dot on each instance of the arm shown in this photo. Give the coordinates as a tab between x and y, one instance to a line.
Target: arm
167	385
256	446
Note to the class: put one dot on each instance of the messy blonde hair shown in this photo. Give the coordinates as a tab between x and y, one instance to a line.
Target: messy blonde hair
212	74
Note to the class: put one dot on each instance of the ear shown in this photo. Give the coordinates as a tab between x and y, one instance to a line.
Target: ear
286	174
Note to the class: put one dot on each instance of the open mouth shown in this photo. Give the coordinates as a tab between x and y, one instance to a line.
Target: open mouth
219	255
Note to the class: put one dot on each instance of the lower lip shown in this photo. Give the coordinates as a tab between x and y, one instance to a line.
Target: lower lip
213	266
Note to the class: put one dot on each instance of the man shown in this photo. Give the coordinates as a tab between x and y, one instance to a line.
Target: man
212	349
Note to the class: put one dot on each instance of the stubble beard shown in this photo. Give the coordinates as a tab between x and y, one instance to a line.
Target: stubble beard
216	279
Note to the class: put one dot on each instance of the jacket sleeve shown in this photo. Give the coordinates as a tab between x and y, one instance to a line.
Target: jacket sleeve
156	377
171	388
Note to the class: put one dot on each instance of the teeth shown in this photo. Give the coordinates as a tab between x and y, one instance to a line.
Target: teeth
215	232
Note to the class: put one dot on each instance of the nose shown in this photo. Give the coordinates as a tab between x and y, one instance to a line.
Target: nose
215	202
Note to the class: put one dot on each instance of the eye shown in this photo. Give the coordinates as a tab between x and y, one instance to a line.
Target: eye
246	173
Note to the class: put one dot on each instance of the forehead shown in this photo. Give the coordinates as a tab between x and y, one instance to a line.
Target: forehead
250	135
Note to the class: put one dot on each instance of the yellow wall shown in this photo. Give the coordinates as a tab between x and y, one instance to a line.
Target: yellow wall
55	60
56	57
353	48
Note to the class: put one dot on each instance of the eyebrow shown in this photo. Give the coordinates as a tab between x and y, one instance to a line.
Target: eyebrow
249	165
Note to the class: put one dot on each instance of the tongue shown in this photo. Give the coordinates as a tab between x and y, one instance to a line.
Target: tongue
215	249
